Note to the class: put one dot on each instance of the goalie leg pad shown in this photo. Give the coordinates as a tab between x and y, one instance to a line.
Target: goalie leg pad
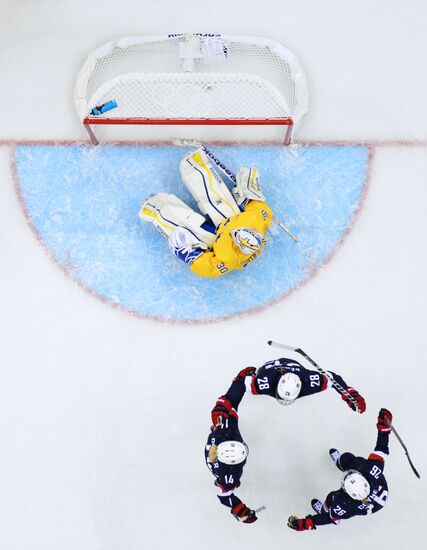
166	212
247	186
210	192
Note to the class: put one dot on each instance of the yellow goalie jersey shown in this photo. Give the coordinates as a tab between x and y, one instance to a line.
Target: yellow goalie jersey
227	255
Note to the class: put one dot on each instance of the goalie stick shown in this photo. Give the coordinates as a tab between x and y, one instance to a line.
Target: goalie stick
343	391
183	142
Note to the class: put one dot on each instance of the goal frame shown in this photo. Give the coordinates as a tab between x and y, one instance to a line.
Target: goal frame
288	122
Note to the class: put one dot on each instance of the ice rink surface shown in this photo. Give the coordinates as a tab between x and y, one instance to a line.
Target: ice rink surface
83	204
104	415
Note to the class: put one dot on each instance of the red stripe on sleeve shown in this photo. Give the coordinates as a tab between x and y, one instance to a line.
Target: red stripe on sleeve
238	508
324	383
335	519
253	388
374	456
224	401
233	412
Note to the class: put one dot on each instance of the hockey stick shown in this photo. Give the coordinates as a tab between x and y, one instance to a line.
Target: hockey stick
182	142
335	384
260	509
344	392
254	512
405	449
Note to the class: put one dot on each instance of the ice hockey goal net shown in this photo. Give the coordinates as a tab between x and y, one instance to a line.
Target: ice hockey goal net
191	79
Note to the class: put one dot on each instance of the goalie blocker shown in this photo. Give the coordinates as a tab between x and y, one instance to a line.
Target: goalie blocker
193	236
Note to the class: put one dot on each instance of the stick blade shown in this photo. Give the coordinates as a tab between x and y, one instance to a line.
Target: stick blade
274	344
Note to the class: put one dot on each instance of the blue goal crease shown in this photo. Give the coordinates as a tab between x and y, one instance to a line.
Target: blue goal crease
84	203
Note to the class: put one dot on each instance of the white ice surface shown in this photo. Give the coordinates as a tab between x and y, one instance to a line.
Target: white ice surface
103	416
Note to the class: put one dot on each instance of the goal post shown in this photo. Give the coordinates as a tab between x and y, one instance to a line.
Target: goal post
192	79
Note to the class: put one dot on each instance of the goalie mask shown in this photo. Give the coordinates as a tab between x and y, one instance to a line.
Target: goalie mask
355	485
288	388
247	239
232	452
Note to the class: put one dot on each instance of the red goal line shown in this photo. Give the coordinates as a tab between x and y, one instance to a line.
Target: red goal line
284	121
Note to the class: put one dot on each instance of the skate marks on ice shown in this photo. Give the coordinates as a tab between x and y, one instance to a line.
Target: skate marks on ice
83	202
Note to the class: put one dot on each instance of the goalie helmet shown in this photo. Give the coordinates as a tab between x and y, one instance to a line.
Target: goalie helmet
232	452
247	239
356	485
288	388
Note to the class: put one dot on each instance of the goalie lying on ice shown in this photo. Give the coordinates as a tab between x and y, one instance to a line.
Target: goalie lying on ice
225	238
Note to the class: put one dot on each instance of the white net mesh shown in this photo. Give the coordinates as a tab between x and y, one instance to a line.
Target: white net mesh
189	76
199	95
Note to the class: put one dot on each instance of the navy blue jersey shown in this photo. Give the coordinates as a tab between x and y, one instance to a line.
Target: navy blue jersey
339	505
267	378
227	475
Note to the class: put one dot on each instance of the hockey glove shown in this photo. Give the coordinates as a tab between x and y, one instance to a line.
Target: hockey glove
301	524
221	410
361	405
248	371
384	421
247	187
243	513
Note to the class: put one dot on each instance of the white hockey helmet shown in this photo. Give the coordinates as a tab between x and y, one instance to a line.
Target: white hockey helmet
232	452
288	388
247	239
356	485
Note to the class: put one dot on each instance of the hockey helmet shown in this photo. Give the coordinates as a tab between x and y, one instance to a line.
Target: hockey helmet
247	239
232	452
356	485
288	388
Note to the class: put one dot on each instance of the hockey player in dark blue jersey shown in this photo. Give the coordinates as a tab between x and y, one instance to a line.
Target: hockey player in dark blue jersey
363	490
225	451
287	380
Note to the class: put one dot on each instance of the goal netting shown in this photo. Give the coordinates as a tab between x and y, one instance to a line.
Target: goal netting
191	79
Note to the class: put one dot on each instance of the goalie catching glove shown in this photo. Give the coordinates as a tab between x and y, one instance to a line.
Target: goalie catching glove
243	513
361	404
247	187
185	245
301	524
